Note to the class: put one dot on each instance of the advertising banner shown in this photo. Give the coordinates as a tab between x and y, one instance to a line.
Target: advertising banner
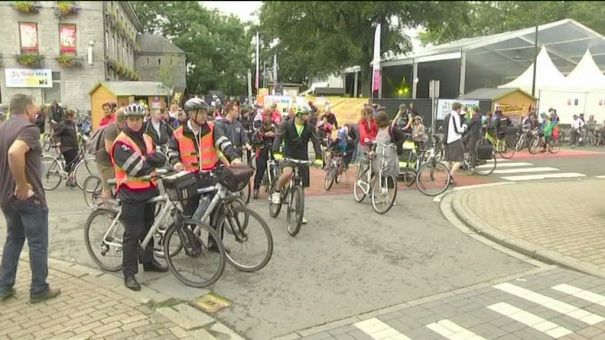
67	38
444	106
24	77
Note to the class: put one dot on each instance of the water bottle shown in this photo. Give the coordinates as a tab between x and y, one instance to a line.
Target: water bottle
201	208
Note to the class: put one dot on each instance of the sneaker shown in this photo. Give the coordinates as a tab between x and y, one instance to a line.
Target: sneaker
49	294
276	197
304	220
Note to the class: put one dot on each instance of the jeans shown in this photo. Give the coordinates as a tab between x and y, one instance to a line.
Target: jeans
25	219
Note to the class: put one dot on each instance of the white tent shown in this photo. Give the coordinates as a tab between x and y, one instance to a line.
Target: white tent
548	76
586	75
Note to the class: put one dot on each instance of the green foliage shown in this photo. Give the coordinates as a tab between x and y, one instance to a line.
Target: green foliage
457	20
317	38
26	6
67	60
66	8
218	47
30	60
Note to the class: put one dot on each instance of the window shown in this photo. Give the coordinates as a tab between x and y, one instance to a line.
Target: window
53	93
159	61
29	37
67	39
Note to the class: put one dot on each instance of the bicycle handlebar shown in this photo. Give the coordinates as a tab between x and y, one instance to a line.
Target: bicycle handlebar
298	161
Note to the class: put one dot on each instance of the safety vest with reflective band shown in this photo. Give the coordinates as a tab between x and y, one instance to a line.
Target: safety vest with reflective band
188	154
122	178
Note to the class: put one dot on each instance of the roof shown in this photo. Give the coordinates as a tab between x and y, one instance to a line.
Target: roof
547	75
134	88
491	94
587	74
511	52
153	43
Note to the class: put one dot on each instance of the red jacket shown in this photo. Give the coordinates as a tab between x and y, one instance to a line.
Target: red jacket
106	121
366	131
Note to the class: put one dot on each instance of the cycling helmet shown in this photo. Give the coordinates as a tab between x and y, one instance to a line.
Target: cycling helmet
302	110
134	110
195	104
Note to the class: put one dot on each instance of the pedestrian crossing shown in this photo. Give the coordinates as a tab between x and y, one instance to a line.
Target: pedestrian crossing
530	316
526	171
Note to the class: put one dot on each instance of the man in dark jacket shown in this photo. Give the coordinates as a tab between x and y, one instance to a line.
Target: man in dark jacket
295	134
65	133
230	127
159	131
56	112
474	133
331	117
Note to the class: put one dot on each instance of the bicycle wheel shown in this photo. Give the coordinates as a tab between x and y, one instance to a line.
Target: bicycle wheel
409	177
247	236
521	141
51	173
433	178
46	145
358	191
339	171
384	193
330	177
158	243
103	238
92	190
554	146
534	145
81	173
296	210
191	259
274	209
506	149
246	193
485	167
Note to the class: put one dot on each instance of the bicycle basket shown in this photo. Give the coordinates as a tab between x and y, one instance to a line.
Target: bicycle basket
234	178
182	186
484	151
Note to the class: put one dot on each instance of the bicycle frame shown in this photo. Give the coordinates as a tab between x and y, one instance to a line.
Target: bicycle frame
495	141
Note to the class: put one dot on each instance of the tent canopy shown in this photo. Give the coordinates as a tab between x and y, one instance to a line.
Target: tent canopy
587	75
547	75
510	53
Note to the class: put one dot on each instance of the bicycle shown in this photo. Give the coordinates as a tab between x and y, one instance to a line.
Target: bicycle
412	164
502	146
293	195
523	139
376	183
249	250
482	166
537	142
105	244
54	170
432	171
334	168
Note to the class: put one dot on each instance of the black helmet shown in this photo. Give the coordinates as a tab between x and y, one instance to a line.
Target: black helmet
195	104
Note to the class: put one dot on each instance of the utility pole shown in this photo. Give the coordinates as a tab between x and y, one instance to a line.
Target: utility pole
533	84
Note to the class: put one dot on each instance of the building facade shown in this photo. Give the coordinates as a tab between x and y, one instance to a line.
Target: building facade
59	50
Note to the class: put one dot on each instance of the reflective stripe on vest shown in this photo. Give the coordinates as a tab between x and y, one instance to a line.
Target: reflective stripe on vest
122	178
188	155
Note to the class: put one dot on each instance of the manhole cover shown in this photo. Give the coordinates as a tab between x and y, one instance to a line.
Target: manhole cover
211	303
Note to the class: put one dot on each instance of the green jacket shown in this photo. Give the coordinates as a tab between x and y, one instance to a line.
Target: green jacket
548	126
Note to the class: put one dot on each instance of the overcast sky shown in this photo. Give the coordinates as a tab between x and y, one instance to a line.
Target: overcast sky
242	9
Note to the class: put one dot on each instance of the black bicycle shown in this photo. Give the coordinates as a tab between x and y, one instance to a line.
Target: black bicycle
293	195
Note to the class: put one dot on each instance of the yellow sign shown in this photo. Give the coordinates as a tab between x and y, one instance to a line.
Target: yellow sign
211	303
260	97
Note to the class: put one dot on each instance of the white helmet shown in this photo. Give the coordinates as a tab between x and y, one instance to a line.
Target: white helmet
134	110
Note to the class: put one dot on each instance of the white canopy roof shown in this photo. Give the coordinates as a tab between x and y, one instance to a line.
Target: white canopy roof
586	75
548	75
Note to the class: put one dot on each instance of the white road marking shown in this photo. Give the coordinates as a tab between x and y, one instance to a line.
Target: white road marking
543	176
601	177
453	331
581	294
504	165
550	303
531	320
524	170
467	187
379	330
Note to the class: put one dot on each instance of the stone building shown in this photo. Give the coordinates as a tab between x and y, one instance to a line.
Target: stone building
59	50
161	61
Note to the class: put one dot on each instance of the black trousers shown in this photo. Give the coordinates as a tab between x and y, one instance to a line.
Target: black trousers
261	166
69	156
137	218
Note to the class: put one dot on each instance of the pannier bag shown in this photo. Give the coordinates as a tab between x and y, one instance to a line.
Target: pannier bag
235	177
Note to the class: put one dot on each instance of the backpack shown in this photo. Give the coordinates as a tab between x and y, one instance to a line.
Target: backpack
96	141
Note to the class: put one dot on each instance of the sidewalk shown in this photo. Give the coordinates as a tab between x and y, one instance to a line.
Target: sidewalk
560	222
95	305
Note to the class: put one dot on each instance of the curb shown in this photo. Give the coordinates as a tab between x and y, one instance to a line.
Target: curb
195	323
459	205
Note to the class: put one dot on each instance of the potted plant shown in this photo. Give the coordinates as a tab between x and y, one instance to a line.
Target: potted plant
26	7
68	61
30	60
66	8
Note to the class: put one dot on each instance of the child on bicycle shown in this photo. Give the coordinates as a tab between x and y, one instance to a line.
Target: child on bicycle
262	141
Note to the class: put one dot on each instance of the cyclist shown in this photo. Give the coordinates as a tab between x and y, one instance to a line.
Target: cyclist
386	135
576	127
134	157
195	147
65	133
367	130
263	141
296	134
403	119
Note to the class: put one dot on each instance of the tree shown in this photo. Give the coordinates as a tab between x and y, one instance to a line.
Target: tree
317	38
218	47
457	20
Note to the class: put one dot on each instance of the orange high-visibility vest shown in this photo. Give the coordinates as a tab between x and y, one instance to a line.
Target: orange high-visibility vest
190	158
122	178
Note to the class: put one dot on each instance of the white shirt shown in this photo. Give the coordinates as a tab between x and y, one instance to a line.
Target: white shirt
452	135
156	126
576	124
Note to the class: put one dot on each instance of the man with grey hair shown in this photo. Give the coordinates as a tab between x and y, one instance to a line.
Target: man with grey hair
22	200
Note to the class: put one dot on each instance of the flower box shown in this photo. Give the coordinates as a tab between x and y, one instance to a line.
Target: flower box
68	61
30	60
29	7
66	8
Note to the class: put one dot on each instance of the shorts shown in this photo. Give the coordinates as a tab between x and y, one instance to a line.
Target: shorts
304	171
106	173
454	152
